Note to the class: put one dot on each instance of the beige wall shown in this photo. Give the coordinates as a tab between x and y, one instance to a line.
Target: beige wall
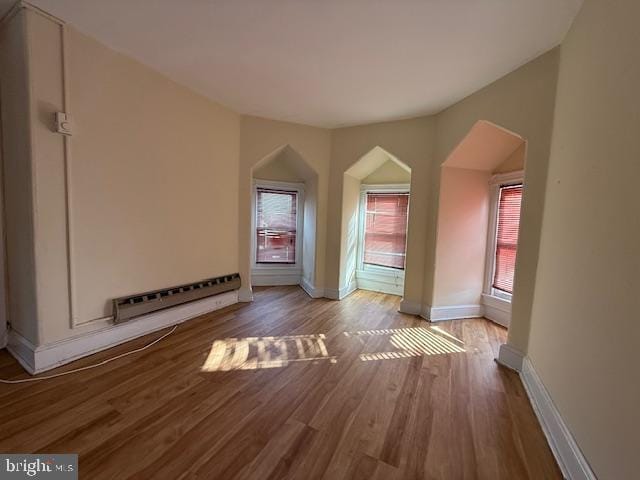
48	163
585	332
278	170
350	223
462	237
150	163
411	142
388	173
521	102
260	139
515	161
17	173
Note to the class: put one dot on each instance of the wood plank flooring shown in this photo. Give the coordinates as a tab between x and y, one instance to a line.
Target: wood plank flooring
289	387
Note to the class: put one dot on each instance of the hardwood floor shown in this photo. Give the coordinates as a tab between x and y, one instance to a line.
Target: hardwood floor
289	387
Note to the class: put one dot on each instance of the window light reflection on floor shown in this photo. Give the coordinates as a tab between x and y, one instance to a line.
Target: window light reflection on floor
253	353
412	342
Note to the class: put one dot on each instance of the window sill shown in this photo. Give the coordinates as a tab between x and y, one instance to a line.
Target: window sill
384	271
267	267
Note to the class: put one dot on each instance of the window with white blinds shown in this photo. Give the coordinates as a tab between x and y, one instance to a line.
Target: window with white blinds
509	204
276	226
385	229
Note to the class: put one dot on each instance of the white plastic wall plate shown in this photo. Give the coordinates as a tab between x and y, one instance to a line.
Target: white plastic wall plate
64	124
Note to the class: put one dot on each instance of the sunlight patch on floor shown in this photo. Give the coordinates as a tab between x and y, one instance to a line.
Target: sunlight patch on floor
254	353
412	342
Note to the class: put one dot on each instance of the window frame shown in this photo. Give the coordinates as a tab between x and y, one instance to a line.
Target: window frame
276	268
495	184
364	268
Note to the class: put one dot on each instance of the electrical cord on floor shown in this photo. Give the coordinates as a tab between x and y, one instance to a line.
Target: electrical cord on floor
88	367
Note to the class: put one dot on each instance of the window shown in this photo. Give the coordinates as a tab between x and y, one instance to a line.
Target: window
385	229
508	222
276	226
380	239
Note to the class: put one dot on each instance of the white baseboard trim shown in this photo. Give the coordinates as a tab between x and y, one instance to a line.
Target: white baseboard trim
312	291
496	315
426	312
573	464
45	357
497	310
245	294
335	294
332	293
410	307
510	357
22	350
453	312
345	292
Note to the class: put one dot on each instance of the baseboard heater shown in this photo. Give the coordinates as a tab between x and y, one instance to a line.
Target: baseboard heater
126	308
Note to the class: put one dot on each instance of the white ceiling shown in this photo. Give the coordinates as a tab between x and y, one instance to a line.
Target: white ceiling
327	62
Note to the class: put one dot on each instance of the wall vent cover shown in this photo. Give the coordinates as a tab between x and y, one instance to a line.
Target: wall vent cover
126	308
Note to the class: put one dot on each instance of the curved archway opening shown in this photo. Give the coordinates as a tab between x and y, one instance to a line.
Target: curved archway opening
481	185
375	202
283	220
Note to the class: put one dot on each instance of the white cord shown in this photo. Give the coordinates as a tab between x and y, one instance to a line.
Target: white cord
104	362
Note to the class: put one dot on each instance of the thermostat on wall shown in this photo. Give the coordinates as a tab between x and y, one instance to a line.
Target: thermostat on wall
64	124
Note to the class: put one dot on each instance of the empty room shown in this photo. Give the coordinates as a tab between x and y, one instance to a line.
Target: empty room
340	239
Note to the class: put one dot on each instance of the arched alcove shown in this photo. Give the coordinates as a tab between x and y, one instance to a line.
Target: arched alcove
284	174
375	176
488	161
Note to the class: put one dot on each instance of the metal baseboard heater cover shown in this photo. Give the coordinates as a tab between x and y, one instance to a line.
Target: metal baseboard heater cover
126	308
